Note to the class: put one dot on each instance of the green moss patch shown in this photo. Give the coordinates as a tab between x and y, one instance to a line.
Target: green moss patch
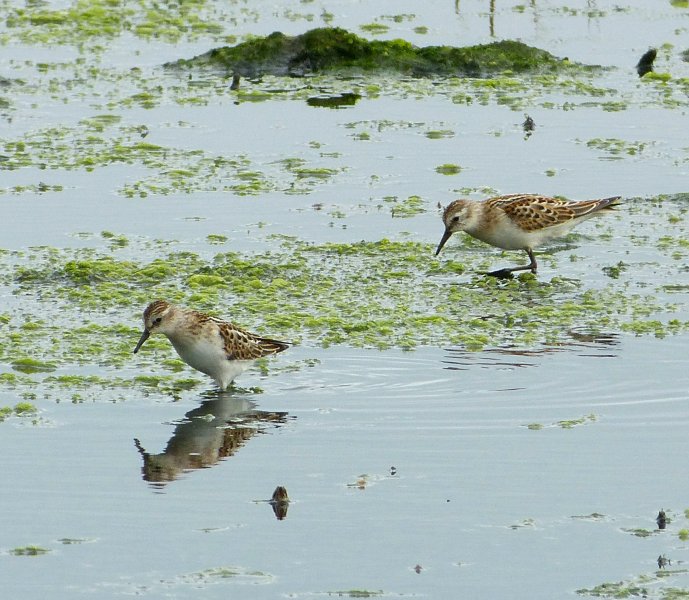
98	142
379	294
565	423
31	365
643	586
91	20
335	49
207	577
29	551
21	409
448	169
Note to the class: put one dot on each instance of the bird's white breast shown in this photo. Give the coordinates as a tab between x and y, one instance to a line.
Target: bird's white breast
208	356
503	233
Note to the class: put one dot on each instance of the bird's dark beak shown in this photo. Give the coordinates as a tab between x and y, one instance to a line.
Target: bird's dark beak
144	336
443	240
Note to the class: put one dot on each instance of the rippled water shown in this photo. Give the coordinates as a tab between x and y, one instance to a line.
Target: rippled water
439	473
391	460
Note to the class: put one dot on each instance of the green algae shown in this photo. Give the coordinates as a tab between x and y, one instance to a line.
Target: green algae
163	170
565	423
379	294
639	532
376	294
641	586
104	140
616	147
571	423
448	169
337	50
92	21
618	589
438	134
29	551
216	238
374	28
404	208
25	408
21	409
212	575
31	365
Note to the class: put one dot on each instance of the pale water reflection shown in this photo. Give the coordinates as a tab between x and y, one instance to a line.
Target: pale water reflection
583	343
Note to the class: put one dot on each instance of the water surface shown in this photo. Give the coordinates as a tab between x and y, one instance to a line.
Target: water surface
520	471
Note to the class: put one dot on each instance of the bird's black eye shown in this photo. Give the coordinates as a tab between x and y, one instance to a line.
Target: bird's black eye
157	320
455	218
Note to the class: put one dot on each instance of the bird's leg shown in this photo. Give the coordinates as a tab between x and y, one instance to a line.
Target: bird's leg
533	265
506	273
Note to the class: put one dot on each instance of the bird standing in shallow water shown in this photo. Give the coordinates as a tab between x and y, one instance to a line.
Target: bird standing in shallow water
214	347
518	222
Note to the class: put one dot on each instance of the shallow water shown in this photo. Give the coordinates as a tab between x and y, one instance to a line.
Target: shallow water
514	472
391	460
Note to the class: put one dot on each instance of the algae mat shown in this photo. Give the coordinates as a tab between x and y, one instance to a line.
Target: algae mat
76	307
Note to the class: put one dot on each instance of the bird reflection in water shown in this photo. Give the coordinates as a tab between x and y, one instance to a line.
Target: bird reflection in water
280	502
209	433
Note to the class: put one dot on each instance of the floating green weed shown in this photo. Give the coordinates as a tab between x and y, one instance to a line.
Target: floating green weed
437	134
29	551
448	169
619	589
639	532
31	365
25	408
21	409
616	147
207	576
381	294
615	271
374	28
95	20
642	586
215	238
564	424
413	205
163	170
571	423
591	517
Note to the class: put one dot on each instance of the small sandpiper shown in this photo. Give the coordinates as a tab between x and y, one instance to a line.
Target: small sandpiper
214	347
518	222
